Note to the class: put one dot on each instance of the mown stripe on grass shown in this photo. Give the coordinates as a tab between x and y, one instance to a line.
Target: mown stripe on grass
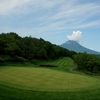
45	79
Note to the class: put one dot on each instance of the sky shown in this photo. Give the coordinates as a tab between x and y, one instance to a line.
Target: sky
56	21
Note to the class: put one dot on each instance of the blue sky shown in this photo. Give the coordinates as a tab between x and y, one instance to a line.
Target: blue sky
54	20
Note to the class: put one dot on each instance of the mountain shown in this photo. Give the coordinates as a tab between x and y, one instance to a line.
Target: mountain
74	46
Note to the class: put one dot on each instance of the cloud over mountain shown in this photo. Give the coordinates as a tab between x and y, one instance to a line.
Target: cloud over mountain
76	36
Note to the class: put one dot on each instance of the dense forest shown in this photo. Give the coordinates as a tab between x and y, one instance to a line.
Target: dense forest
87	63
16	48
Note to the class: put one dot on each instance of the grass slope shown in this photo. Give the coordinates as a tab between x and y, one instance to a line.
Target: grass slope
31	83
9	93
45	79
64	63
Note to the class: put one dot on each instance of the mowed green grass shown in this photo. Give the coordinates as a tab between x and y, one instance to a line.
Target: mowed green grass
29	81
64	63
42	79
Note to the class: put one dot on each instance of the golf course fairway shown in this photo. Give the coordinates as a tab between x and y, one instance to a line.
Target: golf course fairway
42	79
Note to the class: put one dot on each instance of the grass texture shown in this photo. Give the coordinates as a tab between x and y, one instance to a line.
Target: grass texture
43	79
29	81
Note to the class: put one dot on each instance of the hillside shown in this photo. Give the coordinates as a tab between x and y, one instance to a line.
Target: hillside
16	48
74	46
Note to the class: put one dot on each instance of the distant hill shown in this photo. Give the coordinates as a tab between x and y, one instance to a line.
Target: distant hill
74	46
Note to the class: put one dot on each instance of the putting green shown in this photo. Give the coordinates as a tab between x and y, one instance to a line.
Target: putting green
45	79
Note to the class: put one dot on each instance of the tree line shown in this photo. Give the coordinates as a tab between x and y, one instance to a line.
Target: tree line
88	63
16	48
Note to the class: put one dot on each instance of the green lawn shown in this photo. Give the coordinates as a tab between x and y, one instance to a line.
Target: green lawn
45	79
39	83
63	63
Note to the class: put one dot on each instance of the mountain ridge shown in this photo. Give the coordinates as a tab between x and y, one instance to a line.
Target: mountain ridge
74	46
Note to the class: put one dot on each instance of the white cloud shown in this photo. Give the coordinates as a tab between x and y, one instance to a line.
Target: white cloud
76	36
11	6
25	6
49	15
